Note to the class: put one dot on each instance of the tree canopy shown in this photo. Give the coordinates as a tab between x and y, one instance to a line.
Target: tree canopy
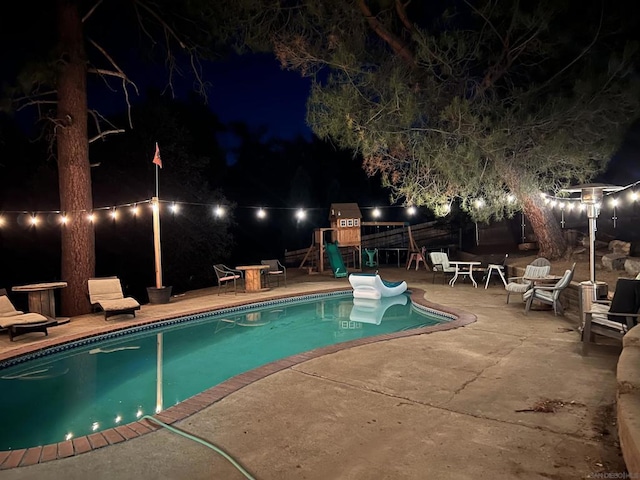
484	103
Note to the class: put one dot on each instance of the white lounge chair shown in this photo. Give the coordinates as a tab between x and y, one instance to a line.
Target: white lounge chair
17	322
106	294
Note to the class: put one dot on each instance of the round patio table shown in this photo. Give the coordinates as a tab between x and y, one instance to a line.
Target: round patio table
252	277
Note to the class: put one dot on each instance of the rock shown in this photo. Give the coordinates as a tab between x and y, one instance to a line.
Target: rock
618	246
632	266
614	261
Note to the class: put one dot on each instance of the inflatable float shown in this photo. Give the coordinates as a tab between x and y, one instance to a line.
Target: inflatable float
370	285
367	310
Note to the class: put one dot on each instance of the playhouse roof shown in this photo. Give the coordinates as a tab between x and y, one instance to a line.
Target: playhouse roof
344	210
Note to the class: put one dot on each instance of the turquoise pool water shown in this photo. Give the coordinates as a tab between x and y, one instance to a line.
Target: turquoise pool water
113	380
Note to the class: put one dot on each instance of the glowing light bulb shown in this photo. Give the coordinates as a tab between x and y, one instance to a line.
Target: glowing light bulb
114	214
91	217
300	214
479	203
511	198
219	212
174	208
134	210
1	221
261	213
34	220
570	206
633	196
411	210
376	212
614	202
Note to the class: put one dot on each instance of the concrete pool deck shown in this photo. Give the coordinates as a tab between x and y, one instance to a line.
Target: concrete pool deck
462	403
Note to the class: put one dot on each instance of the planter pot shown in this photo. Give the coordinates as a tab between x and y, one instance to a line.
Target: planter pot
159	295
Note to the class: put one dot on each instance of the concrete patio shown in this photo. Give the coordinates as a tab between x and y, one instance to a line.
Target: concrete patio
464	403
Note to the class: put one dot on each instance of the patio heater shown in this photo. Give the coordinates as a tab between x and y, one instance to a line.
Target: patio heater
591	196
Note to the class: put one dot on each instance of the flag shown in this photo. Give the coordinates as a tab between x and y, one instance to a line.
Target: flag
156	158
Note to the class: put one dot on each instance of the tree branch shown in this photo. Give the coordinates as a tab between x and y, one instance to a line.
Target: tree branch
105	133
397	45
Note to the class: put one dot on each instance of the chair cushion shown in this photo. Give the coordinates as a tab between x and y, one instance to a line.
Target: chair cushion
229	277
22	319
6	307
119	304
514	287
104	289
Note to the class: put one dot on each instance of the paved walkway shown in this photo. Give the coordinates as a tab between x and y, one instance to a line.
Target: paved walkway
459	404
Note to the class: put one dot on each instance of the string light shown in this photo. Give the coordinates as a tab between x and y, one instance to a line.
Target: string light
34	217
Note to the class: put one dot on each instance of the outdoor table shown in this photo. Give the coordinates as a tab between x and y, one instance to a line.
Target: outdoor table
252	277
41	297
460	270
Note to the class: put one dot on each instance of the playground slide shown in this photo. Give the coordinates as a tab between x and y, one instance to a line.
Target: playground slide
335	260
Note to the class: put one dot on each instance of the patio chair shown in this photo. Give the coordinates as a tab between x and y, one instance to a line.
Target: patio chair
497	268
226	276
418	257
276	269
16	322
106	294
541	262
371	255
522	284
549	294
440	263
615	318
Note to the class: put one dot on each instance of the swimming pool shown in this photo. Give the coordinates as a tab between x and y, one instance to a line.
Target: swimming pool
103	382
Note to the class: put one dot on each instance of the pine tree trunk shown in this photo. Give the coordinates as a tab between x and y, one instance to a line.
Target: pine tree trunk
74	176
551	242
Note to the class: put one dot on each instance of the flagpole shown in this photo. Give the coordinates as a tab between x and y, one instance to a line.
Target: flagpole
155	206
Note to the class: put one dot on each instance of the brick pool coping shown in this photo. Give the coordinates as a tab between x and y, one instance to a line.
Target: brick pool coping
41	454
